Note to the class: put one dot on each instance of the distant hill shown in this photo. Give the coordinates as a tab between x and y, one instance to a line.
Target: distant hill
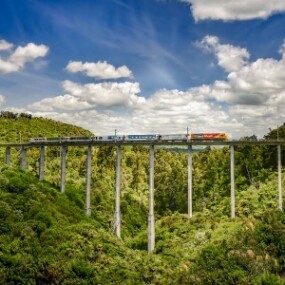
20	128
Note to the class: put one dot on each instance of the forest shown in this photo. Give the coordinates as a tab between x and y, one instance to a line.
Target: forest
46	238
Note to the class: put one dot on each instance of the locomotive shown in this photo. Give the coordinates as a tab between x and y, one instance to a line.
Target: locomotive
188	137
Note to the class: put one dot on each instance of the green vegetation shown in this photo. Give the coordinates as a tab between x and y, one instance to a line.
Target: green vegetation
20	128
46	238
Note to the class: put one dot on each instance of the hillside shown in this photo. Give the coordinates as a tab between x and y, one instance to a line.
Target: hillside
45	237
58	244
22	128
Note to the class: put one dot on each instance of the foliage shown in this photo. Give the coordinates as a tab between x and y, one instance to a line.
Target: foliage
46	238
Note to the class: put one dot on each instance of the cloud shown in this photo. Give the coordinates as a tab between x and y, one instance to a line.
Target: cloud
87	96
100	70
59	103
248	83
257	82
167	111
2	100
282	49
251	98
234	10
4	45
17	60
229	57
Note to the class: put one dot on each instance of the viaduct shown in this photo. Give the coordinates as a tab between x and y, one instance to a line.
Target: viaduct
117	217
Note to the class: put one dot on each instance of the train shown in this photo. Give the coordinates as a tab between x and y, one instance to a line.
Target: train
150	137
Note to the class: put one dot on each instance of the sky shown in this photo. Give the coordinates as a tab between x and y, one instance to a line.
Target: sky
146	66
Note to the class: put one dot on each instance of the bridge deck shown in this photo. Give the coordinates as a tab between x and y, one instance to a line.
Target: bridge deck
147	142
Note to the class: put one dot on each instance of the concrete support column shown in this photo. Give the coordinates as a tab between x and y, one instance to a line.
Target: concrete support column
8	156
23	158
232	183
190	181
151	229
279	178
63	168
42	162
117	222
88	181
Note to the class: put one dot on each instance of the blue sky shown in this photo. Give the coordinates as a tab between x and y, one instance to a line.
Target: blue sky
147	66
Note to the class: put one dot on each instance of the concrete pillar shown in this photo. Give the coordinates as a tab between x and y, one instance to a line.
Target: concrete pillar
88	181
232	183
8	156
151	229
279	178
63	168
190	181
23	158
117	225
42	162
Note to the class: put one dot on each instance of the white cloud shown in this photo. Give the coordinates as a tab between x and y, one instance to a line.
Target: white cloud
4	45
106	93
2	100
101	70
87	96
282	49
59	103
254	120
8	67
20	56
249	83
250	100
258	81
152	116
229	57
171	111
166	111
234	10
